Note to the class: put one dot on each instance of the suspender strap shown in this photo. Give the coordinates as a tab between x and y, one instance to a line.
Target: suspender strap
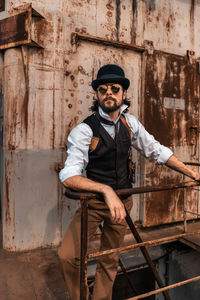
123	119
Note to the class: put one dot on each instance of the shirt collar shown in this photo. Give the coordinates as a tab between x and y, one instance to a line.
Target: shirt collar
107	117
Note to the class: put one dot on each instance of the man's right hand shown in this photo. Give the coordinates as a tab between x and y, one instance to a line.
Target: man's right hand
115	205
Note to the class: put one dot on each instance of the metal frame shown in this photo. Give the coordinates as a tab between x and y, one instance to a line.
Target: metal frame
22	17
83	197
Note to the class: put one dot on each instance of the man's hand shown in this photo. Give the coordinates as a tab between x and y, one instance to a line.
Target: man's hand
175	164
196	176
115	205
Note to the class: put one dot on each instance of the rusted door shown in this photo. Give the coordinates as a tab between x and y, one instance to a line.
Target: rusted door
170	112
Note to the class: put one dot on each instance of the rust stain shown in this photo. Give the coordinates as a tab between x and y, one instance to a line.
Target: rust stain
82	70
109	22
151	4
43	31
109	14
109	5
52	137
25	108
192	9
118	18
81	30
59	30
170	23
169	76
133	25
14	29
11	127
25	62
170	87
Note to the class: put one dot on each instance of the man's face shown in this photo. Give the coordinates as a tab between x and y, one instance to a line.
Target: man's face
110	96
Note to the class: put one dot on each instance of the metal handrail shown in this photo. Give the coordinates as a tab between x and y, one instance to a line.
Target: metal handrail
83	195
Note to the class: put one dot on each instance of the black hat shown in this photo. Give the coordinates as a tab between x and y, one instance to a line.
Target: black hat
110	74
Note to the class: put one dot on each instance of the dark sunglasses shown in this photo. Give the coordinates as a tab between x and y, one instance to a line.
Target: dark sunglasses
115	88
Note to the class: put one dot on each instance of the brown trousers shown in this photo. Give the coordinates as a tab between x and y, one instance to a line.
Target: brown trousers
112	237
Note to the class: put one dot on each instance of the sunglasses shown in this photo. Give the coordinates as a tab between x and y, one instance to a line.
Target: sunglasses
115	88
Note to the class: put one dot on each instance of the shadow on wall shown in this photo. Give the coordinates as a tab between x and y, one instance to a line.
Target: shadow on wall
58	219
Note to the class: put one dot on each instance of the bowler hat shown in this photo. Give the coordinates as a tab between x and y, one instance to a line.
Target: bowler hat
111	74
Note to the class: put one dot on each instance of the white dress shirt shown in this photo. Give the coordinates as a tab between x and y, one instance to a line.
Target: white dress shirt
80	137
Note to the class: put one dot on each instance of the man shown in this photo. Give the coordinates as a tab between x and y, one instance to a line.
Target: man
101	145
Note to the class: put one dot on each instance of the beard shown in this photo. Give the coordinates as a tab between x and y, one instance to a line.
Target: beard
112	108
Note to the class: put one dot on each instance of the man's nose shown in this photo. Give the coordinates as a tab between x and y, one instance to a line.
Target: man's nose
109	90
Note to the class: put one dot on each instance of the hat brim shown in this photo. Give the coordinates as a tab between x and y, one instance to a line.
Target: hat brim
115	79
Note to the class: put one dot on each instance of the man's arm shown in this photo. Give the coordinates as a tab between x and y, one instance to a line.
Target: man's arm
177	165
115	205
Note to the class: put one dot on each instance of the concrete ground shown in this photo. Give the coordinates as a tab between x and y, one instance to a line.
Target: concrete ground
33	275
36	275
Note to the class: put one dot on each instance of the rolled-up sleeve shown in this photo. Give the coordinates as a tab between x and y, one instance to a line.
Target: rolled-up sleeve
77	151
146	143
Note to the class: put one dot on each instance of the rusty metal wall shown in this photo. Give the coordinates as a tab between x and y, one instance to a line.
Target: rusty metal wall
47	92
171	114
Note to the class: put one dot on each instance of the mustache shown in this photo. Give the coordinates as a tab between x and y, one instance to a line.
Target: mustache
109	98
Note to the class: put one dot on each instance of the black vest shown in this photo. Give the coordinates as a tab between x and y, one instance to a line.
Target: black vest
108	163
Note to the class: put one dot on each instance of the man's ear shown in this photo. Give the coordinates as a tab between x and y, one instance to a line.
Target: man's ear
96	94
124	95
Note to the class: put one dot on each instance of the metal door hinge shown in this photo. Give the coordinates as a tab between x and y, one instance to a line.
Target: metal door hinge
191	56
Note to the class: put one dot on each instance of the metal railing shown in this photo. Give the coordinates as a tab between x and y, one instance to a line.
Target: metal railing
84	196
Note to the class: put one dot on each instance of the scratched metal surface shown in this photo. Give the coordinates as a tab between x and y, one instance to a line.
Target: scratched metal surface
47	92
171	114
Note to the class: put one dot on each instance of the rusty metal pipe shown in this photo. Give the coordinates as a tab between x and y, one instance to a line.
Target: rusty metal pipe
131	191
83	266
169	287
75	37
146	254
191	212
135	246
192	163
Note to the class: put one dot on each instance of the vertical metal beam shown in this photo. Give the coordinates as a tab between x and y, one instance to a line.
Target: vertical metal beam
146	254
83	267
